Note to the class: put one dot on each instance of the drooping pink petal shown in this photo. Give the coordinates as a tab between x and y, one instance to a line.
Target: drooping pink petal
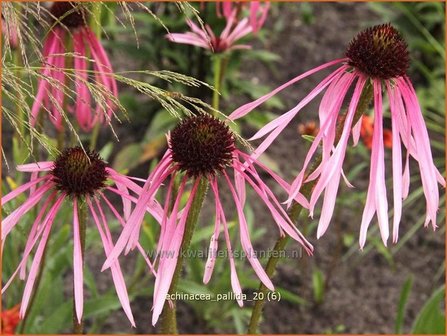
247	108
117	275
83	102
38	256
397	164
78	264
330	122
424	156
19	190
235	285
36	167
121	221
212	251
376	197
245	239
11	220
278	213
334	163
168	265
36	232
159	174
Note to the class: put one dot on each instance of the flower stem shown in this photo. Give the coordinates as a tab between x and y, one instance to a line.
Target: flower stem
217	60
78	327
168	317
365	99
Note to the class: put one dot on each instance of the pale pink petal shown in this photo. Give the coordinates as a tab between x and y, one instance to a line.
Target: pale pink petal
10	221
235	285
78	264
245	240
17	191
397	164
167	266
36	167
121	221
212	251
245	109
117	276
38	256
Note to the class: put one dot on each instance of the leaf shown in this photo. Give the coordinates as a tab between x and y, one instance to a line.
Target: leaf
404	294
431	319
318	285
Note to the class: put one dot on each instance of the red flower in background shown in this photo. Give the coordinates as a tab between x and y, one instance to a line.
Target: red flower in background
10	320
367	131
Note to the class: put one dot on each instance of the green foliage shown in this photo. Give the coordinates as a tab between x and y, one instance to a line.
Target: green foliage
431	318
404	294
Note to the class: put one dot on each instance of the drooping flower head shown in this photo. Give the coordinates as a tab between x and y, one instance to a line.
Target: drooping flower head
70	20
203	148
257	11
80	177
376	61
207	39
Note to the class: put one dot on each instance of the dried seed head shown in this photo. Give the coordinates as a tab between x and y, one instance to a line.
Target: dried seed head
202	145
379	52
70	14
78	172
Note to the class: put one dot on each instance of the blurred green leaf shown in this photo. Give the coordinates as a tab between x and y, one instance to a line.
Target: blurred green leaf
431	318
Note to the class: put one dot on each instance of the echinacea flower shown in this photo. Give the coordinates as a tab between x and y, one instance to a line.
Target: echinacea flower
376	60
367	131
80	177
203	148
258	11
205	38
70	21
9	320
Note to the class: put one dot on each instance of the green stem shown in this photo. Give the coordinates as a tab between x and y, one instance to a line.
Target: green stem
168	317
78	328
365	99
217	60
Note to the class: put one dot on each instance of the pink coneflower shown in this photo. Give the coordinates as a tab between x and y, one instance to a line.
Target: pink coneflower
377	59
80	178
203	147
258	11
205	38
70	20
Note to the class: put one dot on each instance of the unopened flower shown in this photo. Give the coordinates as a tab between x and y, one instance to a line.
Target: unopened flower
377	60
9	320
205	38
203	148
70	21
367	131
81	177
